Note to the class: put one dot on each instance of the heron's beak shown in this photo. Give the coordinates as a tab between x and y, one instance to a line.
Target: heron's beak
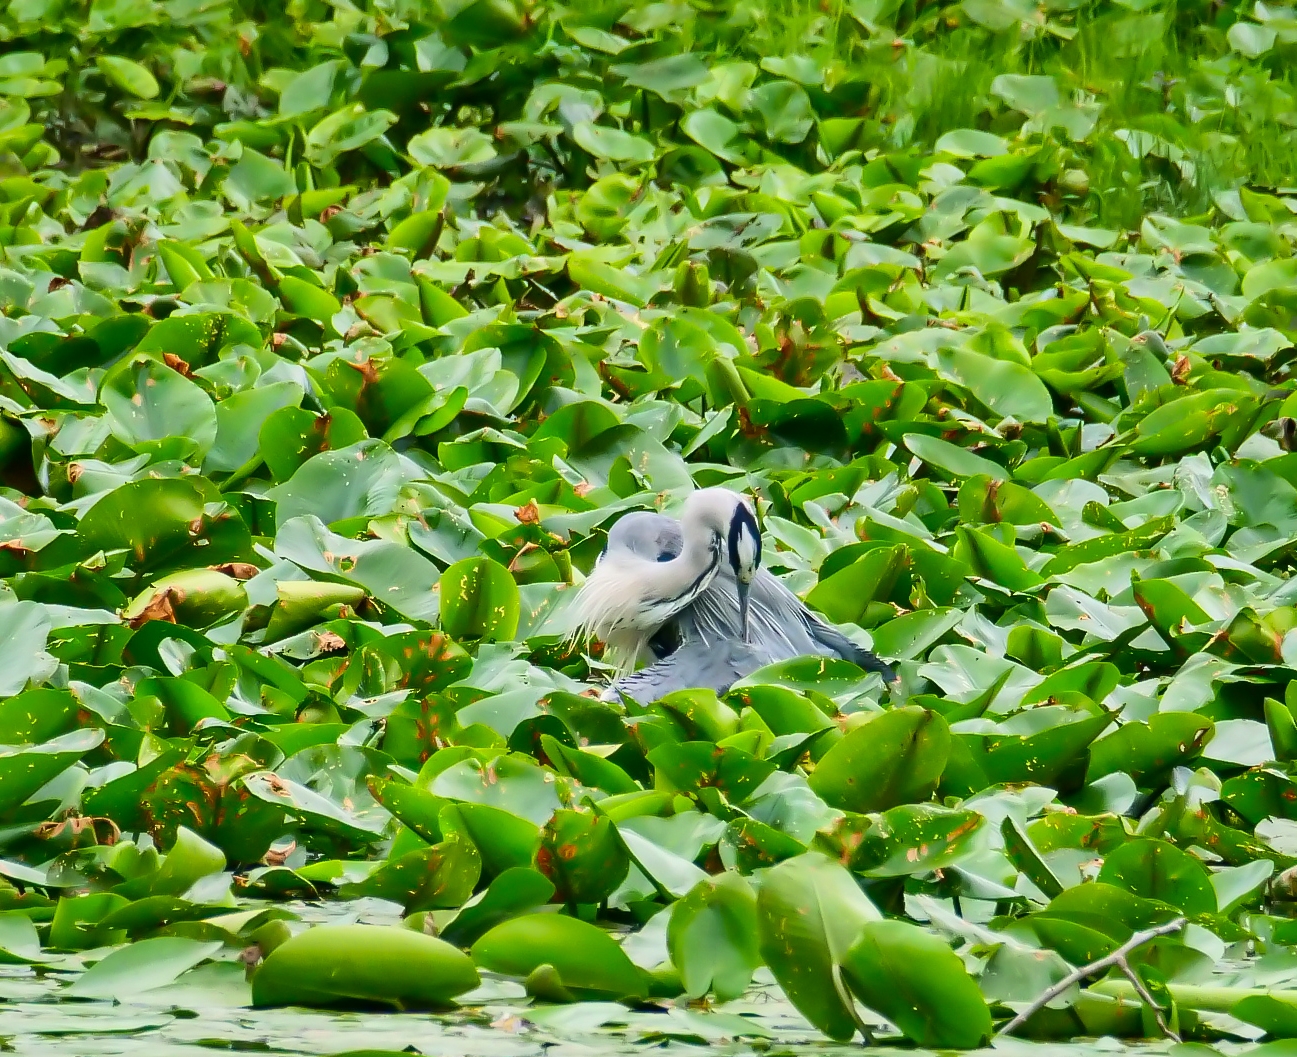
743	590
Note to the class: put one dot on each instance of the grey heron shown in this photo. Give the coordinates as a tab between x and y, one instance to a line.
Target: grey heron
705	643
627	599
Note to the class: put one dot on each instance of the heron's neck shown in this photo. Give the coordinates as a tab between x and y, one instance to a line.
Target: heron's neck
701	545
688	575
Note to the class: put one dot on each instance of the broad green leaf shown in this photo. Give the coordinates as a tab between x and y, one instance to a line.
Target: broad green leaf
583	856
479	599
309	90
894	758
589	963
342	964
128	76
445	148
712	937
142	966
951	459
809	913
24	769
515	892
1155	869
443	875
612	143
24	633
1251	39
918	983
970	143
345	130
152	407
1009	389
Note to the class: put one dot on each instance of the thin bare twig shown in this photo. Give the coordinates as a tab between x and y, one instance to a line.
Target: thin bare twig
1147	999
1118	958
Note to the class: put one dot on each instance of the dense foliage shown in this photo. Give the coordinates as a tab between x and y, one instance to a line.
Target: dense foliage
335	336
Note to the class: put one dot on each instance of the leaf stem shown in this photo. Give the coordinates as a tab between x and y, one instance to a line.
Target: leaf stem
846	998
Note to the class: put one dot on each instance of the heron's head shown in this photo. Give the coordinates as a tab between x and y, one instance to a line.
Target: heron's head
743	543
736	535
744	546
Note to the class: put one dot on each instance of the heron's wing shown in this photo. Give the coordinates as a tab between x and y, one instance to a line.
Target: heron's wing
779	622
832	639
714	616
827	638
695	665
780	625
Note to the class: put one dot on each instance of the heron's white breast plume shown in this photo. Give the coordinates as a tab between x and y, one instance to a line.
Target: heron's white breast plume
612	606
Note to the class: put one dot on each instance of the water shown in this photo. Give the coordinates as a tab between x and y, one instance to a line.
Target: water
208	1008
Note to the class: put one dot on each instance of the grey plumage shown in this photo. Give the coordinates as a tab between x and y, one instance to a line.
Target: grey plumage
693	665
702	645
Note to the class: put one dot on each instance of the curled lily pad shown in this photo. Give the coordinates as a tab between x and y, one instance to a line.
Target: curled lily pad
809	913
587	961
340	964
895	758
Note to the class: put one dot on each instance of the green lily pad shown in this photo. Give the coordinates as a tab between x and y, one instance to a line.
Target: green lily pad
338	964
588	962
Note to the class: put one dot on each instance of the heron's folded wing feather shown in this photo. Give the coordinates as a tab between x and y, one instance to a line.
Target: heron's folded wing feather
695	665
833	639
713	617
788	611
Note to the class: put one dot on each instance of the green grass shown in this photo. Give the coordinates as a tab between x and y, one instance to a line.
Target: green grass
1165	69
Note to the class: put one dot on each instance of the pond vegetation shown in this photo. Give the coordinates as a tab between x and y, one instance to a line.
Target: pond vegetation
335	337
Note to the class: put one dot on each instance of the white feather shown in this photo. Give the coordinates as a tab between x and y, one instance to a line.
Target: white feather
611	606
747	550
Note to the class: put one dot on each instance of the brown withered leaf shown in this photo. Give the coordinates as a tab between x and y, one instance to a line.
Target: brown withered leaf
161	606
279	856
239	570
330	641
177	364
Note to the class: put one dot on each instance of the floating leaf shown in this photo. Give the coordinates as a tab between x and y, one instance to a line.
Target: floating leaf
809	913
583	856
895	758
141	966
128	75
339	964
1155	869
712	937
479	599
589	963
916	981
